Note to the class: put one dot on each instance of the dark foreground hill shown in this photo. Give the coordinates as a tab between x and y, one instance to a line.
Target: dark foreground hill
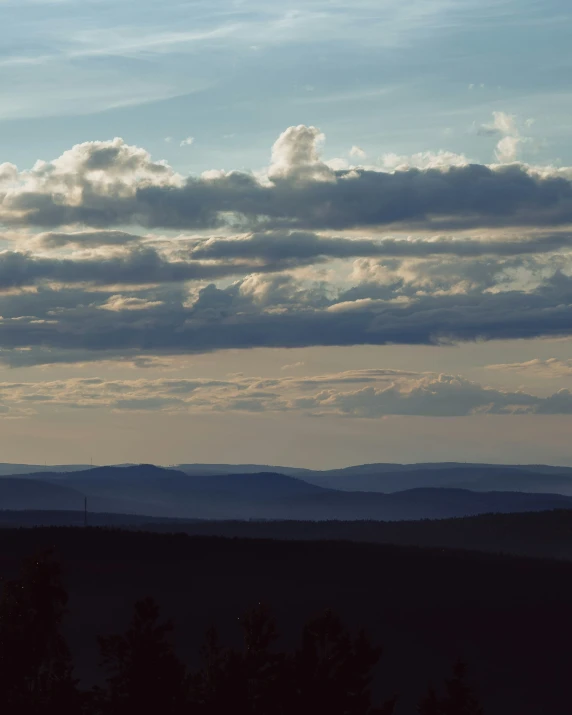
510	618
154	491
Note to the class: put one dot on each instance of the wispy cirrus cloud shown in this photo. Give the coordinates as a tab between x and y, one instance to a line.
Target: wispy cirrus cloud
83	57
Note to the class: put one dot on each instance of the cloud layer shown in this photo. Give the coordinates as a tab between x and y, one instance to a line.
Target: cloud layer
366	394
299	258
112	184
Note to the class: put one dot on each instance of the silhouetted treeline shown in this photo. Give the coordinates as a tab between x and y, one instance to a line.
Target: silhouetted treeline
508	617
330	671
546	534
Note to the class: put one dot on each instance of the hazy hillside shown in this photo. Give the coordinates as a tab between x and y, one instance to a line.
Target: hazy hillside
24	494
378	477
221	469
7	469
378	467
387	477
172	493
35	494
474	477
146	489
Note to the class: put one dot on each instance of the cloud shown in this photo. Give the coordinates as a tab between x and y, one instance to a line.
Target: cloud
551	368
506	126
411	279
277	312
423	160
297	261
442	396
292	366
282	245
366	394
296	156
120	302
507	149
111	184
139	265
8	174
83	239
188	141
503	124
357	152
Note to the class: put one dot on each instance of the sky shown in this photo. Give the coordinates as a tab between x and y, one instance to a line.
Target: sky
311	234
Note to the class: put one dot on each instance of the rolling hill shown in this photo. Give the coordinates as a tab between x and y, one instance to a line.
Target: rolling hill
8	470
387	477
23	494
474	477
377	477
155	491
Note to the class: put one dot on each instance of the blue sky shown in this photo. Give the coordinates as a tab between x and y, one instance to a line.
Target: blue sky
186	261
391	76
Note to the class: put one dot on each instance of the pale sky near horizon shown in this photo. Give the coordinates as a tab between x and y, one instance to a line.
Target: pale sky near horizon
315	234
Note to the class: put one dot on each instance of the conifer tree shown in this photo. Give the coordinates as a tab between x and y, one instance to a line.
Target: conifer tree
333	671
459	697
250	681
430	703
35	662
145	676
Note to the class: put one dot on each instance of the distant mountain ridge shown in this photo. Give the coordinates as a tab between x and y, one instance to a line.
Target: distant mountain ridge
220	469
156	491
474	478
387	477
7	469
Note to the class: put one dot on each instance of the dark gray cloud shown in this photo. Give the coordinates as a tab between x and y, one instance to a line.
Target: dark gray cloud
110	184
289	245
271	253
407	291
469	196
138	265
225	319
